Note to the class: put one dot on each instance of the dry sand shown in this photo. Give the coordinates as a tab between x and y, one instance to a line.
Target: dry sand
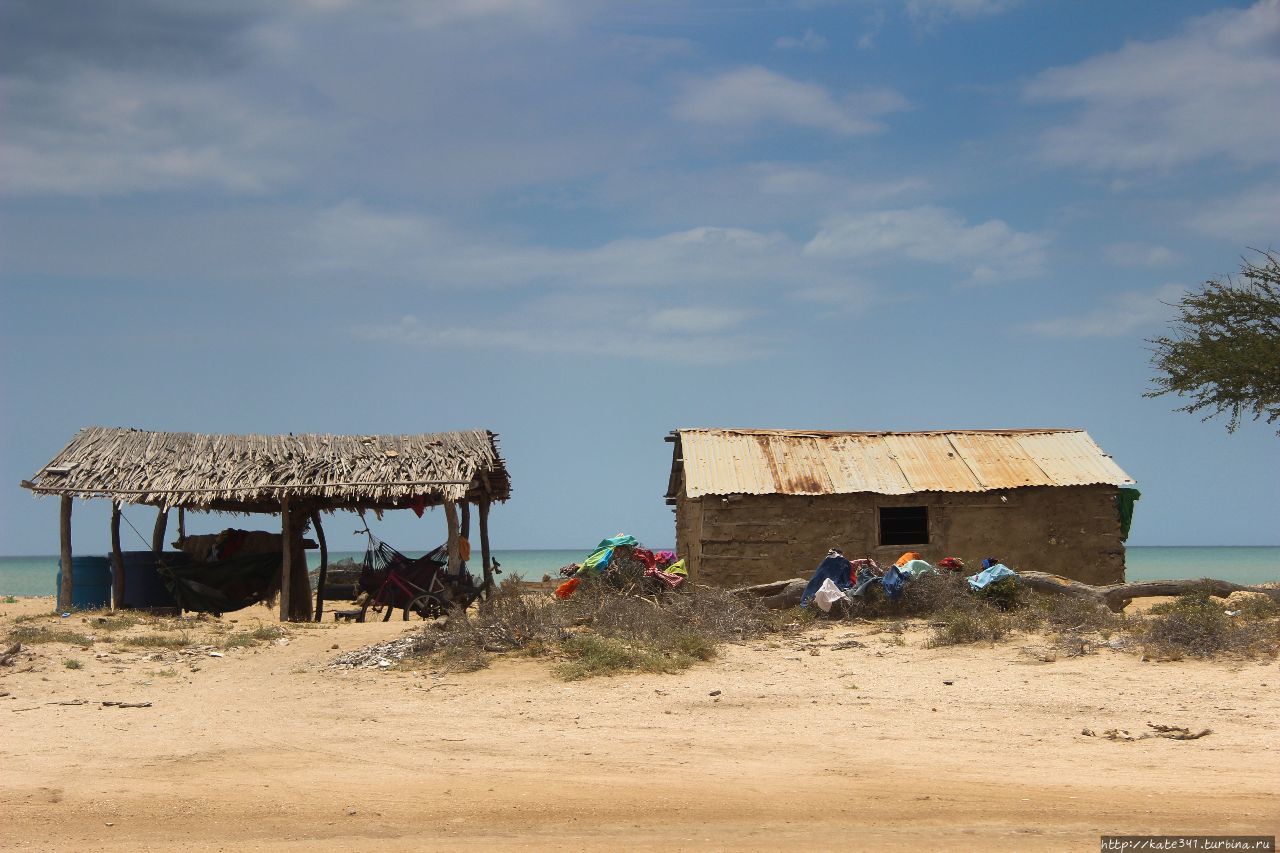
883	747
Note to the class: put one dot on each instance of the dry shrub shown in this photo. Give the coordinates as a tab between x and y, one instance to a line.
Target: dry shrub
599	630
1068	613
1195	625
963	626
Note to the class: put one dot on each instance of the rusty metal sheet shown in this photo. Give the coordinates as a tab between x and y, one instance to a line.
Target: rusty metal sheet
757	462
864	463
998	461
931	464
1072	459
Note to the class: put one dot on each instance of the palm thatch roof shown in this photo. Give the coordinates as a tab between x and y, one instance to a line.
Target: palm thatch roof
251	473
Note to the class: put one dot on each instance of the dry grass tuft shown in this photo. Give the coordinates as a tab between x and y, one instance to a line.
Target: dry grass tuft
1197	625
599	631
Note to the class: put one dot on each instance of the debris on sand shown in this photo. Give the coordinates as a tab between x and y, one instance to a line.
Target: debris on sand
380	655
1158	730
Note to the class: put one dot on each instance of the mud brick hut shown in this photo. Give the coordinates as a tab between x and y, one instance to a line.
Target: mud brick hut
294	477
755	505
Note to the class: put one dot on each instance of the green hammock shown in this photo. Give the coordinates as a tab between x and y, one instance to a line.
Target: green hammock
221	586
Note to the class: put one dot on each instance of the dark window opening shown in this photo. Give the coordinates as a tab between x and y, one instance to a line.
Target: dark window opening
904	525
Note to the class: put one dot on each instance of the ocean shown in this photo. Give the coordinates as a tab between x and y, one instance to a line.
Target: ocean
1246	565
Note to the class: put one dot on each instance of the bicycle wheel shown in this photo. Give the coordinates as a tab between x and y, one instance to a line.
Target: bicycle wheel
427	606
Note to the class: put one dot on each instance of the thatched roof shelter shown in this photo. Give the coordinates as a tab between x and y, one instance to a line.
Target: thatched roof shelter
251	473
294	476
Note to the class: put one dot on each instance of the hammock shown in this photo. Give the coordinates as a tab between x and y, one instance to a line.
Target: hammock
222	586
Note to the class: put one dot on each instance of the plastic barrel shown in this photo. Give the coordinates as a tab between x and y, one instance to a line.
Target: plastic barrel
143	586
90	583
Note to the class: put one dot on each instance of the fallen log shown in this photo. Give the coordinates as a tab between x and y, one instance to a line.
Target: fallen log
778	595
1117	596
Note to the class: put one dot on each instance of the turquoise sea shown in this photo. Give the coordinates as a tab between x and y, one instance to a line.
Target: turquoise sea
1247	565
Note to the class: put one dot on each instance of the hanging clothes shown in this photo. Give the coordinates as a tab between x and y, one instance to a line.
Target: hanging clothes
836	568
894	581
989	575
1125	499
600	557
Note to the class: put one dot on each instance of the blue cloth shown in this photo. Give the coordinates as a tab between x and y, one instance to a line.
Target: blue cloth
893	582
600	557
834	567
988	562
989	575
866	577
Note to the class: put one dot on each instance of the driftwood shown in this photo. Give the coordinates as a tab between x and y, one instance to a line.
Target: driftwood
780	595
1116	597
10	653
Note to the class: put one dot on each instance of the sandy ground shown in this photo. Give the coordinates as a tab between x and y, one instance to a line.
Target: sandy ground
879	747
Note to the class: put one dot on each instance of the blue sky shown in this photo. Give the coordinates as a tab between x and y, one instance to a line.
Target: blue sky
582	224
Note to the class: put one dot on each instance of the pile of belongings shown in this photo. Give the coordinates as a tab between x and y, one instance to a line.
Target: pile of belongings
839	579
624	563
992	571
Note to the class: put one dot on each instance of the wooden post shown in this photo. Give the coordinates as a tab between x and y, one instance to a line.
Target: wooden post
451	520
286	558
484	547
465	526
324	565
117	559
64	530
157	535
182	525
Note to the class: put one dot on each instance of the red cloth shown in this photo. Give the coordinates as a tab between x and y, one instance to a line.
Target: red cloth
645	556
953	564
567	588
672	581
418	505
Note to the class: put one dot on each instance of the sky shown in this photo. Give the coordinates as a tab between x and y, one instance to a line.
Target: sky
584	224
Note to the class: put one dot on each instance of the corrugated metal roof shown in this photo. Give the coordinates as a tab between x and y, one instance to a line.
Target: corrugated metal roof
793	462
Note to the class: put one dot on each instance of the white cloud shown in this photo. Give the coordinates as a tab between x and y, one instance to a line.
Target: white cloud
987	251
103	132
1211	91
931	13
1119	315
810	41
586	327
754	96
697	319
1140	255
1250	218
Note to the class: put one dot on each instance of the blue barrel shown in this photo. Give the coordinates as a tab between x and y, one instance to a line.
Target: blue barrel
143	586
90	583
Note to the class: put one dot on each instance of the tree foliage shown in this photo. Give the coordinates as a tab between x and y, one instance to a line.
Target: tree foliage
1224	350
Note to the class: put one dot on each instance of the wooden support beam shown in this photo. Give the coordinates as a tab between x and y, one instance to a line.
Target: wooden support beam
486	562
286	558
182	525
465	526
451	521
157	535
300	609
324	565
64	531
117	559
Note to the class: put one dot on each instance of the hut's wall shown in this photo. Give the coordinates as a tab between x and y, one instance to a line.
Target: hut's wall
745	539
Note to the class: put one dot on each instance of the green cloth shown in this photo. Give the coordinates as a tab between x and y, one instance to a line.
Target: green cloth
1125	499
677	568
600	557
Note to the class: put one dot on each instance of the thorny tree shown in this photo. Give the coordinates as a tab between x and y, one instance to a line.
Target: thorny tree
1224	351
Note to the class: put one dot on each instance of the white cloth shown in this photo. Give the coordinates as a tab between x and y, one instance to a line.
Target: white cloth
827	595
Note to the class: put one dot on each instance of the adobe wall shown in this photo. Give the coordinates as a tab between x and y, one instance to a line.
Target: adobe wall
746	539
